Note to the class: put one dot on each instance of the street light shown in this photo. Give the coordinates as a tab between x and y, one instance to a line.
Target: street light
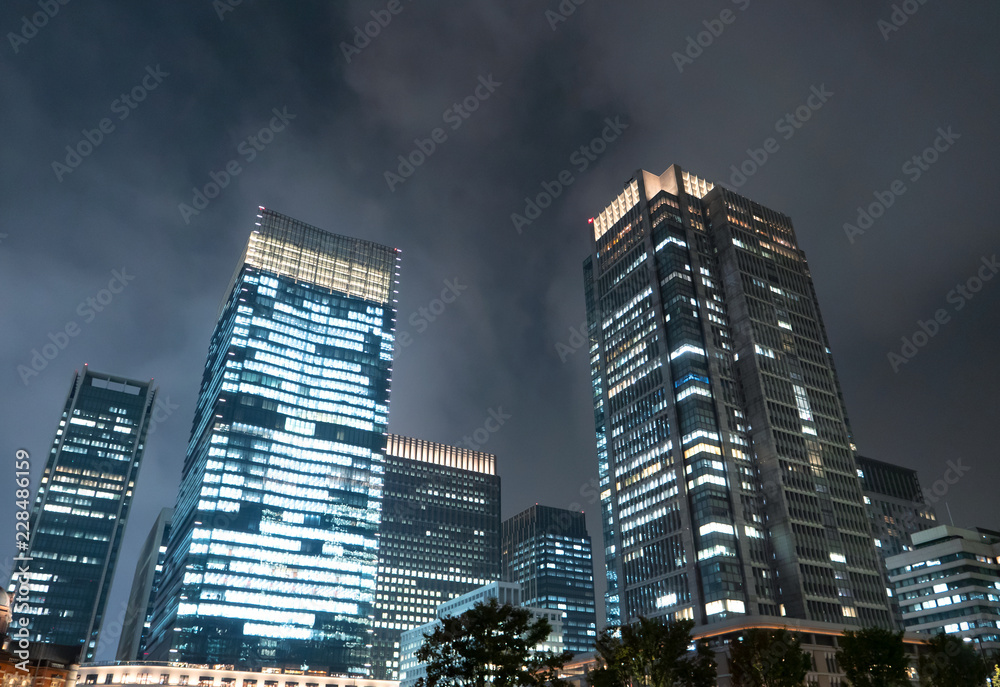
979	641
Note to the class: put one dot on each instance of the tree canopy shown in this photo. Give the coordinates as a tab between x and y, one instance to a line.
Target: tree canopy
651	653
768	658
947	661
491	645
874	657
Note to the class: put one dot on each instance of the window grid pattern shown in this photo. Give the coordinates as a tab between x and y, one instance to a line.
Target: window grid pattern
724	449
439	537
82	506
547	551
273	554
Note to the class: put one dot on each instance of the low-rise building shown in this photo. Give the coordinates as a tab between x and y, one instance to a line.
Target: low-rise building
411	670
820	640
129	673
950	582
45	665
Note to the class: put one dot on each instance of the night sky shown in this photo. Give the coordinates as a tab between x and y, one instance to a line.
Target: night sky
309	119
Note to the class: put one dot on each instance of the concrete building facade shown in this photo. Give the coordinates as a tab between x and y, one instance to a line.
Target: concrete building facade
950	582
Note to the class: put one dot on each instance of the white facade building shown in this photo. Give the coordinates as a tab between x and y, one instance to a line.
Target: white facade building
411	670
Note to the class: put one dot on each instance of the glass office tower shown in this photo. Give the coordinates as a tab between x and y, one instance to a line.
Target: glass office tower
82	506
273	549
145	584
728	477
440	537
547	551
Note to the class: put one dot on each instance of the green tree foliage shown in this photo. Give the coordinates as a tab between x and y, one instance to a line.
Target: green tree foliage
491	645
874	657
651	653
947	661
768	658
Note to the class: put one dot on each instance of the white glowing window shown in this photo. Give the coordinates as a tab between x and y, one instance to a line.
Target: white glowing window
717	550
802	401
671	239
731	605
714	607
718	527
693	390
700	434
761	350
686	348
666	600
838	558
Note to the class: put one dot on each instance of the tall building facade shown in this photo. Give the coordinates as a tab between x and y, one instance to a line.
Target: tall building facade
440	537
728	480
950	582
145	584
547	551
896	510
82	507
895	504
272	555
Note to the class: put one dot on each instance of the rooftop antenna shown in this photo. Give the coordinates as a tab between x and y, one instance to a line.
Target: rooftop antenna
949	513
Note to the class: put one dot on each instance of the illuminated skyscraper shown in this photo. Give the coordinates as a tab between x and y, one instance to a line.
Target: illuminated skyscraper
728	479
273	550
82	506
547	551
440	537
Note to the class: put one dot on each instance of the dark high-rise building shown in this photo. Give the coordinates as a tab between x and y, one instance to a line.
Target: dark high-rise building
82	506
728	480
895	504
147	580
896	509
547	551
273	550
440	537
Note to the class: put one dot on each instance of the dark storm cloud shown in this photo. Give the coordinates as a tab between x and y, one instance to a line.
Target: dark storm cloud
495	344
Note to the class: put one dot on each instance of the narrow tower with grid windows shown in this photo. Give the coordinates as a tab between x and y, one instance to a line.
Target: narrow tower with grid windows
82	506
